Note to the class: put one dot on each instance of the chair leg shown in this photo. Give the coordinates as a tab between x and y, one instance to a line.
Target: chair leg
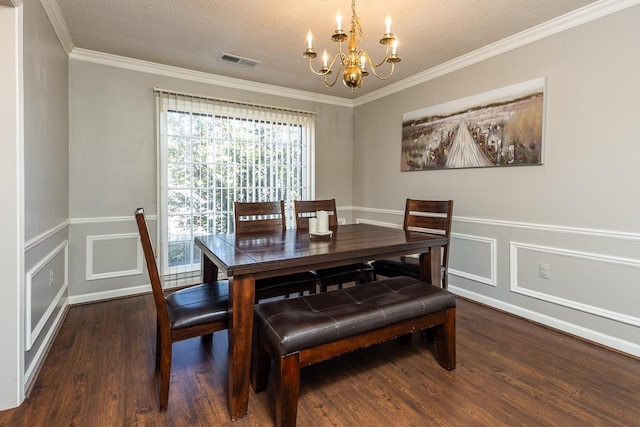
260	363
158	346
446	341
206	339
287	390
165	372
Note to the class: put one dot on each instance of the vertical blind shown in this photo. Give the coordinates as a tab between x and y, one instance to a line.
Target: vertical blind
212	152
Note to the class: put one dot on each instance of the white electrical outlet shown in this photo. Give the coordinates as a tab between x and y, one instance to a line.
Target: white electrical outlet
544	271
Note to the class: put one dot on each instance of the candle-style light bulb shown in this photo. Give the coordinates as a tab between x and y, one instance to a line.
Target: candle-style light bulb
388	22
325	57
363	61
309	40
394	47
339	21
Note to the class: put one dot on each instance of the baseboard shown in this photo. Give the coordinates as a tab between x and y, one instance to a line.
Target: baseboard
107	295
613	343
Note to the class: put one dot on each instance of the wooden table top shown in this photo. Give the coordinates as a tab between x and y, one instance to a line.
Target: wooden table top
277	253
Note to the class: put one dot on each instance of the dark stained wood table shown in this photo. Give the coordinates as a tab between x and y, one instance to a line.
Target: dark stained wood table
245	258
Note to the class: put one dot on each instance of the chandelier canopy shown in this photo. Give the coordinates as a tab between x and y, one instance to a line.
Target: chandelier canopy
354	60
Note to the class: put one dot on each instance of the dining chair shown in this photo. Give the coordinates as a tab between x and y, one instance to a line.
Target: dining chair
428	216
360	273
252	217
196	311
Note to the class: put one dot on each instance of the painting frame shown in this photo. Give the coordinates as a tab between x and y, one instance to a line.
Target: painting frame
504	127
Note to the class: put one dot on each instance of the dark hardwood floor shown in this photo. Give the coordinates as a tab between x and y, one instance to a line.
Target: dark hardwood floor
510	372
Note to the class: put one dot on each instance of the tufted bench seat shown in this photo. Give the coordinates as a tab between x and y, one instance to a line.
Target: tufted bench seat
302	331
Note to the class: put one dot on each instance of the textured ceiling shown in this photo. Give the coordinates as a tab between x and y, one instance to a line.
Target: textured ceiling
191	34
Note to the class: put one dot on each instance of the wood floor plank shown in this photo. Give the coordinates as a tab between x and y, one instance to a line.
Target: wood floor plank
100	371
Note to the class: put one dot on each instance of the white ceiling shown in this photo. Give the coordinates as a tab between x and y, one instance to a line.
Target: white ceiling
191	34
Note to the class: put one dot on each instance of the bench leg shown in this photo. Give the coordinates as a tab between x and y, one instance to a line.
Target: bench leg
287	390
446	341
260	363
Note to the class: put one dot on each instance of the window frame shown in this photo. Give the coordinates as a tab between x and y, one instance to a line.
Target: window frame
186	273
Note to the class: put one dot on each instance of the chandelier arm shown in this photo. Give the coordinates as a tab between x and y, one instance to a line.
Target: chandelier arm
393	66
334	80
340	55
327	70
317	73
374	66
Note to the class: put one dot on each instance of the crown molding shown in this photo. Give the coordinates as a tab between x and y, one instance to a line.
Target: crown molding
570	20
565	22
199	76
59	26
11	3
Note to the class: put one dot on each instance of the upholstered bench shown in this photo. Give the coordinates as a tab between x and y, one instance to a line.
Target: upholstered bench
302	331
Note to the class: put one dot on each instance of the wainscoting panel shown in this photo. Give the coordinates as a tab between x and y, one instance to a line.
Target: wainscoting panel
578	280
106	258
49	280
476	258
593	285
115	255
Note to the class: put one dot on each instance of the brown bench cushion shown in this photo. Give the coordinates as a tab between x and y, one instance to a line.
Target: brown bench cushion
291	325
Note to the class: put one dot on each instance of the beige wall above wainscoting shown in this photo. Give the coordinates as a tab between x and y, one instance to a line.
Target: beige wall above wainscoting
579	213
113	162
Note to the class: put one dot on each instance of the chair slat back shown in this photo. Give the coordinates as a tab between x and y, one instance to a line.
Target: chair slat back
156	285
428	216
251	217
431	216
306	209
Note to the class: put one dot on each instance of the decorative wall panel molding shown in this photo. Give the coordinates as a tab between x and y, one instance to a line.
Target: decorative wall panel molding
92	241
32	332
488	249
599	262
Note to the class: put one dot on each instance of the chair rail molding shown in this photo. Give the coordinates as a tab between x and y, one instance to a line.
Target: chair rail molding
107	219
592	232
35	241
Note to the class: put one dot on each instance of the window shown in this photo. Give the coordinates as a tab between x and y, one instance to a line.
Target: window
215	152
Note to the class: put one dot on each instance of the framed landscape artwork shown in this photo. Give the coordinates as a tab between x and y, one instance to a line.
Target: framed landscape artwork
500	128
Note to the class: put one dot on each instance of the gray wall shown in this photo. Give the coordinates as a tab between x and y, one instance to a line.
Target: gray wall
579	212
113	161
46	182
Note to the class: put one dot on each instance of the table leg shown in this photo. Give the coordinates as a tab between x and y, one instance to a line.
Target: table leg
208	269
430	266
241	301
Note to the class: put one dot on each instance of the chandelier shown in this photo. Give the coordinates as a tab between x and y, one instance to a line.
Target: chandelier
354	60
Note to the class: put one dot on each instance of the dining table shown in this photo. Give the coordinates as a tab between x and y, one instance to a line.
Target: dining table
243	258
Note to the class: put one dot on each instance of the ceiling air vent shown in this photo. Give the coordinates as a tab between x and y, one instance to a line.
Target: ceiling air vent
238	60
